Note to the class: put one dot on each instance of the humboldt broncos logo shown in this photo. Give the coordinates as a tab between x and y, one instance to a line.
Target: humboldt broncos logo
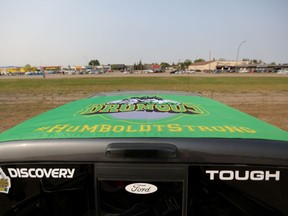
5	183
141	107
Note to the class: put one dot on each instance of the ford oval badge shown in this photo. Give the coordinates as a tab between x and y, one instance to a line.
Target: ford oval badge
141	188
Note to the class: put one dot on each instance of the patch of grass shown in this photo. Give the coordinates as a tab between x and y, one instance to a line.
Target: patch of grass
12	114
89	86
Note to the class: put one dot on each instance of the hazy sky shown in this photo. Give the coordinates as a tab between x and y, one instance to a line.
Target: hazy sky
72	32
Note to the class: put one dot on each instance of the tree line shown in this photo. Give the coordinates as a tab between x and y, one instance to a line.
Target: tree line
180	65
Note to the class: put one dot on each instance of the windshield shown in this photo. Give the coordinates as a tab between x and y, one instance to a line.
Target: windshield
101	190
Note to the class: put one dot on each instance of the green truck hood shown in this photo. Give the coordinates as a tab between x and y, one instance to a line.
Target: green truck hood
144	115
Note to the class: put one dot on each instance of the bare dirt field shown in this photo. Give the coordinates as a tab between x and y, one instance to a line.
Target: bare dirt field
269	106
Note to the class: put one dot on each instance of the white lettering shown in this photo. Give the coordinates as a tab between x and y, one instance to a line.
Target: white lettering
257	175
212	172
47	172
241	178
254	175
31	175
269	175
55	173
12	173
41	172
62	173
226	175
18	171
70	173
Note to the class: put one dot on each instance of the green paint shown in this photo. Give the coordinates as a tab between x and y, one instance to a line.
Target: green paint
142	115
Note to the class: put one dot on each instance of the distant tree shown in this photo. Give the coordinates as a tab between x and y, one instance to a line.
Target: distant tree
146	66
221	59
187	62
255	61
27	67
164	65
140	65
181	66
199	60
94	63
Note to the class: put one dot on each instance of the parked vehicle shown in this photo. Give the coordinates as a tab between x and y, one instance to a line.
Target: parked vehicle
144	153
243	70
282	71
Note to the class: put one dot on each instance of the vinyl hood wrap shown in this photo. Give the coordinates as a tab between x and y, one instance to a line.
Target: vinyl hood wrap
160	115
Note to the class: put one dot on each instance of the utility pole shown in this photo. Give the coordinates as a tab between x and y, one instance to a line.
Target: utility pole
209	61
238	54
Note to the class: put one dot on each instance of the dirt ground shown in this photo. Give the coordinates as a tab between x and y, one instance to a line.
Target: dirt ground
268	106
